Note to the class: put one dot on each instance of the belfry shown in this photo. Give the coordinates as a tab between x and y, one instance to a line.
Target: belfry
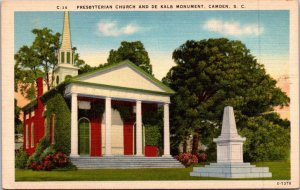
65	66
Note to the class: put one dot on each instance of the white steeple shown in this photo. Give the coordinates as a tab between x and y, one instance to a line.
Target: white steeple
65	66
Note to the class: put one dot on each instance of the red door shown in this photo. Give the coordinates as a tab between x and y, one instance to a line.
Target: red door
128	138
95	136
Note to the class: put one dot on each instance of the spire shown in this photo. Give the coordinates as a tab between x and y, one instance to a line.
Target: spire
65	66
66	37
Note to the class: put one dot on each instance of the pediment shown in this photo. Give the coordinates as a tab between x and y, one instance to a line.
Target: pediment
125	75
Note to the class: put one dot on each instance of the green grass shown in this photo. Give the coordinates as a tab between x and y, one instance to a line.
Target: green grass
280	171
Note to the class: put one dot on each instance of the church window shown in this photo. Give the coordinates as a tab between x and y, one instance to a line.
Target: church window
68	57
62	57
27	137
32	135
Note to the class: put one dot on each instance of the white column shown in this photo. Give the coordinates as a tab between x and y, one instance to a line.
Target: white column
74	126
166	131
107	126
139	128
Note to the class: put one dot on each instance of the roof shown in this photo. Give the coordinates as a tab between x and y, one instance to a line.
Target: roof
77	80
148	76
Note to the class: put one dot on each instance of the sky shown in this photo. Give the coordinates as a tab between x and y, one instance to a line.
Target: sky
94	34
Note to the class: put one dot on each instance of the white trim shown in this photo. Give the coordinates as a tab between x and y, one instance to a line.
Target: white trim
166	131
139	131
108	126
90	142
102	92
74	126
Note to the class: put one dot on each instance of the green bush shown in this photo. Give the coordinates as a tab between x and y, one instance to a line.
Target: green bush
21	158
152	135
62	122
265	141
41	146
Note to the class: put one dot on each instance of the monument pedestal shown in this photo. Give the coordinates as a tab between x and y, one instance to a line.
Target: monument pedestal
230	154
231	170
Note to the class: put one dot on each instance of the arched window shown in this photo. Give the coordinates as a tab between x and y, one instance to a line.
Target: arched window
84	136
68	57
62	57
32	135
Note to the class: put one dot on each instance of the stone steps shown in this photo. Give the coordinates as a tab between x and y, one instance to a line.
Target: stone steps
125	162
236	170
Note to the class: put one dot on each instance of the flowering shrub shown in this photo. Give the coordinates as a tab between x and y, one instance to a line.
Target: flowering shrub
187	159
50	162
202	157
60	159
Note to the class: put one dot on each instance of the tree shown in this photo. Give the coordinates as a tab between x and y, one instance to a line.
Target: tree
211	74
18	122
39	59
133	51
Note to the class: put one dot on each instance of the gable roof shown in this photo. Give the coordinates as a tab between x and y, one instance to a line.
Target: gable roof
77	79
142	75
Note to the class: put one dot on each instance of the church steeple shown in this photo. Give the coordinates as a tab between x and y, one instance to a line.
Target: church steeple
65	66
66	37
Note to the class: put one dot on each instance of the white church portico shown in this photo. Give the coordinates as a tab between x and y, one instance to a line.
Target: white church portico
105	134
142	89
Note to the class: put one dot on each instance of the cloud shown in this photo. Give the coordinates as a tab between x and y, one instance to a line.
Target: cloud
36	22
112	28
233	28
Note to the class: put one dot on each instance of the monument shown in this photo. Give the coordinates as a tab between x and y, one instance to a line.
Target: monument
230	154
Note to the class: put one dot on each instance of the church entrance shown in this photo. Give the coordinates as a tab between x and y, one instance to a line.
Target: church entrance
84	136
117	133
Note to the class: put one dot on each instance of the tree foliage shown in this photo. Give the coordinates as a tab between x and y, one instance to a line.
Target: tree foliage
58	106
265	140
133	51
211	74
38	59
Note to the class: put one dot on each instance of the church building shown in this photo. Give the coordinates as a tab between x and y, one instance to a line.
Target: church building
103	110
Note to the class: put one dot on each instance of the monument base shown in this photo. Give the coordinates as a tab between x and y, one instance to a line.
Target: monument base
231	170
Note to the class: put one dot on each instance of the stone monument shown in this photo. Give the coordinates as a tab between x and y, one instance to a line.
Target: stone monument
230	154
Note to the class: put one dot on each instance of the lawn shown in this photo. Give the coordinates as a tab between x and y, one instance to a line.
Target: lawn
280	171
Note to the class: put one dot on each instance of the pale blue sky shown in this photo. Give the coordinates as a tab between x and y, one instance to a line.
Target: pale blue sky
265	33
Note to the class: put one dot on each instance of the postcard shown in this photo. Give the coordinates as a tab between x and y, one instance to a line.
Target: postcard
150	94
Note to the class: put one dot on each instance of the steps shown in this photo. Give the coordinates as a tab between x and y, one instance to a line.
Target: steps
125	162
231	170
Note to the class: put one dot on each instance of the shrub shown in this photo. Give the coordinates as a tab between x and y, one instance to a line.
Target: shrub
187	159
57	105
152	135
52	161
36	156
21	158
263	142
202	157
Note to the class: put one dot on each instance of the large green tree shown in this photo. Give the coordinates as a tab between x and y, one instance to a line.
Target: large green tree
211	74
38	59
133	51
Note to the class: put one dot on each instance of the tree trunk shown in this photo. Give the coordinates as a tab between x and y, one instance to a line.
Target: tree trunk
47	81
195	145
184	145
